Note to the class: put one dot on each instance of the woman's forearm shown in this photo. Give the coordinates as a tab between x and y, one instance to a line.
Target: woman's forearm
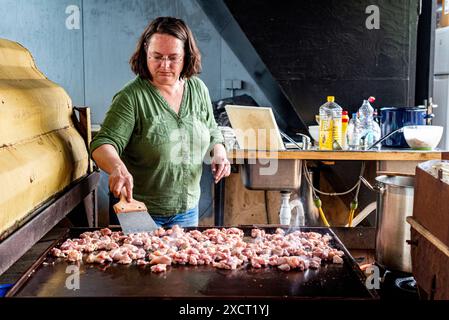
109	161
107	158
220	164
219	150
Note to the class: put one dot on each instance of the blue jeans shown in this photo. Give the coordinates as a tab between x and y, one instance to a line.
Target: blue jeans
185	219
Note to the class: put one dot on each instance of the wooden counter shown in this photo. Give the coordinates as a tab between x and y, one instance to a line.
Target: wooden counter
239	205
377	155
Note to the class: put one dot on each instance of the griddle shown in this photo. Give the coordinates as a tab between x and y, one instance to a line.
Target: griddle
47	278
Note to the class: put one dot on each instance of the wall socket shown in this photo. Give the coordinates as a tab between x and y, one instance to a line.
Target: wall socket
233	84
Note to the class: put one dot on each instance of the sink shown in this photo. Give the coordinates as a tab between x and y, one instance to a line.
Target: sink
271	174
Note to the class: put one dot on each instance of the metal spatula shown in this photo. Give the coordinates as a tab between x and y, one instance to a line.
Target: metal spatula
133	216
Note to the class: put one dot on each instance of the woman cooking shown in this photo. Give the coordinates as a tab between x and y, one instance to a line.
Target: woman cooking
160	127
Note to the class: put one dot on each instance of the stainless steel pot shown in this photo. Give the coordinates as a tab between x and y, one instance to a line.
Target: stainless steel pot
394	204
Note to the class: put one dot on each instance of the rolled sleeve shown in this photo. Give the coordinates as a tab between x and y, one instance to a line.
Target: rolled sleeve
118	124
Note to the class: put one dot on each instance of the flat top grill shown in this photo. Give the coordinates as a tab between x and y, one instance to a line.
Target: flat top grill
48	277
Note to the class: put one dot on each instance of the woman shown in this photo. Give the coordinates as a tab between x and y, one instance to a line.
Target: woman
160	127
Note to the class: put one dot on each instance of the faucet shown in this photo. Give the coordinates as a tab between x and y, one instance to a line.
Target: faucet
429	112
306	141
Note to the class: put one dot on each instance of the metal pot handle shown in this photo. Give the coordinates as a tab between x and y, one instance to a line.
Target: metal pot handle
376	188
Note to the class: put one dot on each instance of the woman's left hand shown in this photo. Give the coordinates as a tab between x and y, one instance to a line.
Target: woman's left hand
220	163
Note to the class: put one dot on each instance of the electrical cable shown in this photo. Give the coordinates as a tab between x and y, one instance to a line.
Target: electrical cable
317	200
332	194
355	202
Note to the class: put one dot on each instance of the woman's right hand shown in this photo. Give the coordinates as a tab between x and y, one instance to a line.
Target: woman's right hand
120	178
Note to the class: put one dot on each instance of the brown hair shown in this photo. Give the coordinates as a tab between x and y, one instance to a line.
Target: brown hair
176	28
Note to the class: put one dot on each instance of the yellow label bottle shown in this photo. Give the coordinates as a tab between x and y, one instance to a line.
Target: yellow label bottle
330	125
326	132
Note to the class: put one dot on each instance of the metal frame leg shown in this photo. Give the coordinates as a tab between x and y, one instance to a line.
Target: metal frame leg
219	198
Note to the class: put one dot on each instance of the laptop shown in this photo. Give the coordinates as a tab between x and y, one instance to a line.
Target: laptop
255	128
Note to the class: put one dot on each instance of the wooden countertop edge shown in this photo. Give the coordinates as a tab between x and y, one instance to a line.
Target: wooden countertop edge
340	155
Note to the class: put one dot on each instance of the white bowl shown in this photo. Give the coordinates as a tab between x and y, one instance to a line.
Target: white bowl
315	132
423	137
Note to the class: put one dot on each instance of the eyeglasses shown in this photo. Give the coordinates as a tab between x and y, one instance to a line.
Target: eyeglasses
171	60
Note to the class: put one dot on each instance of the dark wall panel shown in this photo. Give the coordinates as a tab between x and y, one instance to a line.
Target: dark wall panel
319	48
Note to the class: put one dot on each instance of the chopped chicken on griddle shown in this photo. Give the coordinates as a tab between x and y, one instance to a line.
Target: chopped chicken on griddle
225	248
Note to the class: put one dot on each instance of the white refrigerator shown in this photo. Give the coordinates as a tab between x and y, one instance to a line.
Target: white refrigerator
441	84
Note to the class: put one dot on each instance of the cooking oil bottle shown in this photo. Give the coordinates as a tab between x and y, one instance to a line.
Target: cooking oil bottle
330	125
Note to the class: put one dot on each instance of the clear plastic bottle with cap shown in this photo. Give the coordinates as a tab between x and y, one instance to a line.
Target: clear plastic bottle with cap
353	133
330	125
366	116
344	128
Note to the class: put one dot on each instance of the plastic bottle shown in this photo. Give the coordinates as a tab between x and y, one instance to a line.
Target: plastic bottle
366	116
330	125
377	130
353	133
366	113
344	127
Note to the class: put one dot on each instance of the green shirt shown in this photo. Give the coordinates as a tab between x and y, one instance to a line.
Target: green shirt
162	150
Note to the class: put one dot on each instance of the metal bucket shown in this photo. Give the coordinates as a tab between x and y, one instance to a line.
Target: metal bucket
394	204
